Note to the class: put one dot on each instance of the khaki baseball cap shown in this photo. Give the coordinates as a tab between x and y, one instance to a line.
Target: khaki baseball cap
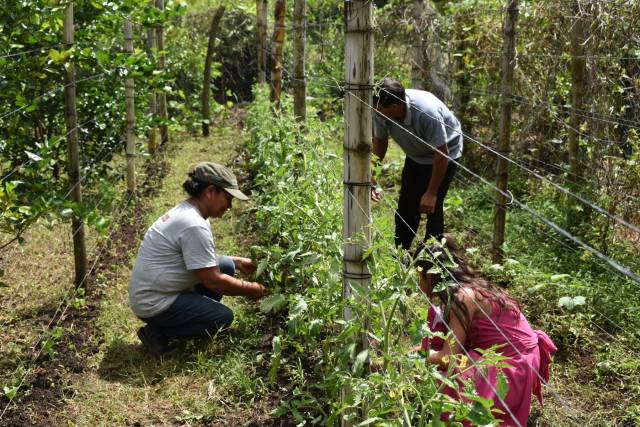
216	174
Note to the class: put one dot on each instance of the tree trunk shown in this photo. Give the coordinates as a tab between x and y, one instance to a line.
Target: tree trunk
206	84
278	47
299	79
261	27
502	168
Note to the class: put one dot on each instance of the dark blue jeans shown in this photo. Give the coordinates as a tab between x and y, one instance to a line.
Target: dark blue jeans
196	313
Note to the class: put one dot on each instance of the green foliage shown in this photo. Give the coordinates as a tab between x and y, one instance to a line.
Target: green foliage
299	214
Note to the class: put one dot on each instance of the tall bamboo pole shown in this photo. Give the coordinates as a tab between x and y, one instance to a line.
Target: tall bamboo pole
130	107
162	96
299	83
153	96
206	84
418	46
75	185
261	17
278	48
357	155
502	169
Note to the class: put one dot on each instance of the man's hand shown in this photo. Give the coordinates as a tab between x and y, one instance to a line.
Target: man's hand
255	290
376	194
428	203
245	265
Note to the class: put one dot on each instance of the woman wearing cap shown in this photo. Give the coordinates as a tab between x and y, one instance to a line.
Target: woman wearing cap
178	279
481	315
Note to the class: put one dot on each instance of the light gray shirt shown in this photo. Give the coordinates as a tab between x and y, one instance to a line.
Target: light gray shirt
429	124
179	242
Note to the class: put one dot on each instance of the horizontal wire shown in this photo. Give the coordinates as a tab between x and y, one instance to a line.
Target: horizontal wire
617	266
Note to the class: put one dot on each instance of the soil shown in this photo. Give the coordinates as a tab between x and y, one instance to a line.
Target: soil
46	381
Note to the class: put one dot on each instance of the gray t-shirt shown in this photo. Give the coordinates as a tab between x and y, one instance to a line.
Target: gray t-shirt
428	119
179	242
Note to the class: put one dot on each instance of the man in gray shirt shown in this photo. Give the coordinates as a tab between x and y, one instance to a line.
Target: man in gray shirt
430	135
178	279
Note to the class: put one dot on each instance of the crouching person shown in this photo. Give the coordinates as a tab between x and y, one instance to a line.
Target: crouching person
178	279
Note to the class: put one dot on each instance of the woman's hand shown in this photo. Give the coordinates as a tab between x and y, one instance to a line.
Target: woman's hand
245	265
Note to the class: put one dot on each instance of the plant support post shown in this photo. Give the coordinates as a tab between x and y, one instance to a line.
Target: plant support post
278	48
357	163
261	27
502	167
75	185
206	84
162	96
153	96
130	107
299	82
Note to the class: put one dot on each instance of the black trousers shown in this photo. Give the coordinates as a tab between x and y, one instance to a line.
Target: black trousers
415	180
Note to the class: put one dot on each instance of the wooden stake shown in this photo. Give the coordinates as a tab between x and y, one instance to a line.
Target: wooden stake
153	96
502	167
75	185
162	97
278	48
131	116
578	90
261	26
418	46
299	80
206	84
357	157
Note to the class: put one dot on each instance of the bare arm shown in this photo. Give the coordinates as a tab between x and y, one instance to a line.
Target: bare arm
379	148
440	164
452	346
212	278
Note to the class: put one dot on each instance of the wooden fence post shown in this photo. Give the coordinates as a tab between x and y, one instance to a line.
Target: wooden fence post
206	84
261	27
130	107
418	46
502	167
578	90
278	48
357	159
162	97
299	80
75	184
153	96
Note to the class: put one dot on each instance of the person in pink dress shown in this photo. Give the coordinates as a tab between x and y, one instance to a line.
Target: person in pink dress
481	316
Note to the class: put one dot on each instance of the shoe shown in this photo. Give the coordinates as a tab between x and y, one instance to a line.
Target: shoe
156	345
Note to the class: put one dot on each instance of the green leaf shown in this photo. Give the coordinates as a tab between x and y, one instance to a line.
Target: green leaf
358	365
273	303
10	392
571	302
502	387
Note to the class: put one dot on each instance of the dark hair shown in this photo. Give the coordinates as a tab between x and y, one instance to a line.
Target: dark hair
194	187
389	92
446	257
